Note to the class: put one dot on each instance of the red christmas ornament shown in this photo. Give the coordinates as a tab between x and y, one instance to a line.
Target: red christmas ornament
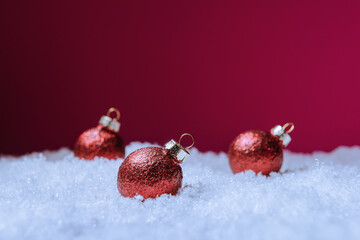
101	141
153	171
259	151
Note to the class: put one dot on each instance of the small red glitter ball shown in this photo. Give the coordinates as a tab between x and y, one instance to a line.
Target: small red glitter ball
256	150
149	172
99	142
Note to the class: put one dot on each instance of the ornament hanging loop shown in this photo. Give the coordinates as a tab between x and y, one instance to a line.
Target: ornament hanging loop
283	132
292	126
177	150
116	111
187	134
109	122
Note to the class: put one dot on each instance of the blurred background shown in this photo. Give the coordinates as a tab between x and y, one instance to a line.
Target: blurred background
211	68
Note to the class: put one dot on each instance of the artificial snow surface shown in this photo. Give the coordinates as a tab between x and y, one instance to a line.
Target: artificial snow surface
56	196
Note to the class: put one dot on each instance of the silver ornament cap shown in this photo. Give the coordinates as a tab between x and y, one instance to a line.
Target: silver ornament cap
176	149
283	133
111	123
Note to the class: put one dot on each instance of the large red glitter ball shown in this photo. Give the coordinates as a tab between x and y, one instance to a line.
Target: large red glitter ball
256	150
149	172
101	142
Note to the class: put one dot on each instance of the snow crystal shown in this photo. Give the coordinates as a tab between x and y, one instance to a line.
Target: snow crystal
52	195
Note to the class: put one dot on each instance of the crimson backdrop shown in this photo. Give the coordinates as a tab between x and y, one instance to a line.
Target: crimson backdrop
211	68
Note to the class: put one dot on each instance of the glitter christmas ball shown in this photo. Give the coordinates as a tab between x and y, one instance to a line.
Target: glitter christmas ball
150	172
256	150
99	142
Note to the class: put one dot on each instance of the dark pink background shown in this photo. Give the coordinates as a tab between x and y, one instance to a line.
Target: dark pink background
211	68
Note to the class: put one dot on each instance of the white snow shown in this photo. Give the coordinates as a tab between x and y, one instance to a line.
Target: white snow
53	195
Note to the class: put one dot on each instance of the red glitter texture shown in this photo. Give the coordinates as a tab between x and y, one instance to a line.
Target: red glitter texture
101	142
149	172
256	150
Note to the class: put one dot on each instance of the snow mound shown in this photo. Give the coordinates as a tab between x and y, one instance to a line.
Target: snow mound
52	195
